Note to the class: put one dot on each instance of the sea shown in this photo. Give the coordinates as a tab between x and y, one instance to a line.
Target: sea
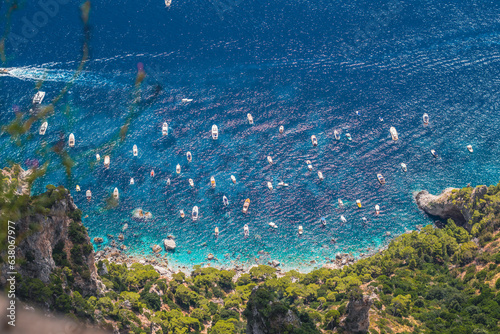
117	72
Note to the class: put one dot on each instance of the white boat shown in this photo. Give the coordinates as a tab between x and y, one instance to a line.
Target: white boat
358	202
116	194
97	157
4	71
314	140
342	218
71	141
38	98
434	153
320	175
178	169
336	134
273	225
186	100
403	167
135	151
250	118
106	161
394	133
341	204
282	129
269	185
233	179
132	180
377	209
246	205
194	213
225	200
182	213
426	119
309	165
323	221
191	183
43	128
168	3
348	135
269	159
164	129
282	184
189	156
365	221
78	188
216	232
168	181
380	179
212	181
246	231
301	230
215	132
469	147
89	195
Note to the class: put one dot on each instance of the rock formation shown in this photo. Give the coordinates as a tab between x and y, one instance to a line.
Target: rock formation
357	320
169	244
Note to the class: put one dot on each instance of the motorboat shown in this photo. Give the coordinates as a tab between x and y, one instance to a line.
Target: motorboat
164	129
184	100
377	209
78	188
135	151
212	182
182	213
365	221
282	184
246	231
250	118
282	129
216	232
309	165
106	161
301	230
116	194
314	140
132	180
152	173
97	157
168	181
323	221
189	156
71	141
246	205
215	132
380	179
225	200
469	147
38	98
336	134
403	167
4	71
426	119
269	159
191	183
178	169
394	133
168	3
269	185
342	218
89	195
194	213
43	128
434	153
341	204
233	179
320	175
358	202
348	135
273	225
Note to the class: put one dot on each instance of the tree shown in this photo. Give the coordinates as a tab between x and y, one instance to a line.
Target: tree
223	327
332	319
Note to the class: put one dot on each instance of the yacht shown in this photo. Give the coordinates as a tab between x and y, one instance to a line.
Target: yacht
106	161
403	167
269	185
134	149
71	141
426	119
336	134
43	128
194	213
348	135
323	221
380	179
233	179
89	195
377	209
469	147
320	175
216	232
434	153
309	165
116	195
98	157
189	156
301	230
182	213
212	182
269	159
152	173
164	129
168	3
250	118
215	132
341	204
132	180
246	205
273	225
78	188
225	200
282	129
191	183
342	218
245	229
394	133
314	140
38	98
358	202
178	169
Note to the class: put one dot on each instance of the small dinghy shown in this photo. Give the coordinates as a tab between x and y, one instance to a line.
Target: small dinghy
225	200
320	175
246	205
380	179
282	129
135	151
189	156
132	180
269	159
434	153
336	134
43	128
38	98
71	141
106	161
342	218
273	225
246	231
348	135
216	232
358	202
323	221
178	169
377	209
78	188
469	147
403	167
250	118
194	213
182	213
341	204
152	173
89	195
97	157
269	185
164	129
233	179
426	119
191	183
309	165
215	132
282	184
116	194
394	133
212	182
314	140
301	230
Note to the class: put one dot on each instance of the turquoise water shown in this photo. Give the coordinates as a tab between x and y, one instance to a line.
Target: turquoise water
311	88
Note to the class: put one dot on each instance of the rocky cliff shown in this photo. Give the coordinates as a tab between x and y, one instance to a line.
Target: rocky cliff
357	319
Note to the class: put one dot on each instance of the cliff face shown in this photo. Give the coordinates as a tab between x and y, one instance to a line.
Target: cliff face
357	320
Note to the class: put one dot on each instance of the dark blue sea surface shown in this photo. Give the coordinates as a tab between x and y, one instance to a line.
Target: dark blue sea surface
358	67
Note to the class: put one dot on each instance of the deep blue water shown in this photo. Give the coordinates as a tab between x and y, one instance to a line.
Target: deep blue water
311	66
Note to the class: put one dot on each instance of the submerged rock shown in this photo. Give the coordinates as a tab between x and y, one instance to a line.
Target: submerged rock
156	248
98	240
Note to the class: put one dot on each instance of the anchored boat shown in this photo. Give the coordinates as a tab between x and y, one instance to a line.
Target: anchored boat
191	183
71	141
342	218
182	213
394	133
323	221
233	179
246	231
98	157
194	213
216	232
426	119
89	195
212	181
250	118
178	169
164	129
341	204
225	200
314	140
78	188
106	161
273	225
43	128
246	205
132	180
38	98
377	209
434	153
469	147
189	156
282	129
301	230
269	159
309	165
348	135
336	134
135	151
215	132
116	195
320	175
269	185
403	167
152	174
380	179
358	202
